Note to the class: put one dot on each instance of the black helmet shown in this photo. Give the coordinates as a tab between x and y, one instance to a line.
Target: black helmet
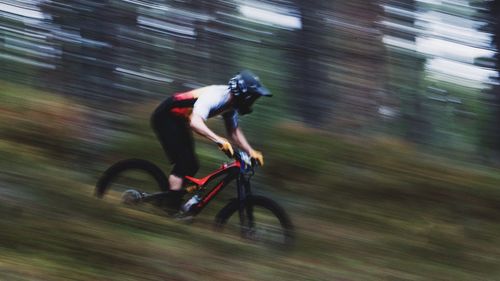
246	88
246	83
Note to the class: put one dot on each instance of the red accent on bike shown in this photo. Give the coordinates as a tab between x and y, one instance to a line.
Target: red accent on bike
210	195
199	182
204	180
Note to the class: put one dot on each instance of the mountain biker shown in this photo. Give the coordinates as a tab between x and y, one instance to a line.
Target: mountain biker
176	117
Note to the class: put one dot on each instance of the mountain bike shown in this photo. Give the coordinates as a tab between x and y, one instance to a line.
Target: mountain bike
256	218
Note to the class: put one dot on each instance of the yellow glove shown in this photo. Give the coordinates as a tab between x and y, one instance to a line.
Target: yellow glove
257	155
226	147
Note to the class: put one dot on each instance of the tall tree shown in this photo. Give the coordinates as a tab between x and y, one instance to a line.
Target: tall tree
340	58
310	87
406	71
493	130
84	30
357	67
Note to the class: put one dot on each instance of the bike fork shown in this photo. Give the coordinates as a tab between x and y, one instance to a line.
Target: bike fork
245	209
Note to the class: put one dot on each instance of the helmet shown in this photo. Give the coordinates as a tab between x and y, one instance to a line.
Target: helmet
246	88
247	83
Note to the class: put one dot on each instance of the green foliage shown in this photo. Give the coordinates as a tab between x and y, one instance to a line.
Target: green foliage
40	119
365	210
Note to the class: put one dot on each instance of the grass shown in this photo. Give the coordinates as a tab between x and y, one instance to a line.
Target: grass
365	209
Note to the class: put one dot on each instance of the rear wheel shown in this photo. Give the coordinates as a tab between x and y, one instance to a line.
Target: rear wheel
124	181
260	220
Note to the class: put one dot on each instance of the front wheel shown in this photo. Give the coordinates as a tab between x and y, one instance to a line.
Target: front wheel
258	219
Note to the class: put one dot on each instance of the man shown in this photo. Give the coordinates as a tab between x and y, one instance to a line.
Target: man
175	118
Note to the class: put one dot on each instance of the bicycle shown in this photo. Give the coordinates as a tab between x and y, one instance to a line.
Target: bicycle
258	218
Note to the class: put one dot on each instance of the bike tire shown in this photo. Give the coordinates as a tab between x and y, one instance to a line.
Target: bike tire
287	232
126	165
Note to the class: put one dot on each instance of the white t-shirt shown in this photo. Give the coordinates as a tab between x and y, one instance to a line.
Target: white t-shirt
215	100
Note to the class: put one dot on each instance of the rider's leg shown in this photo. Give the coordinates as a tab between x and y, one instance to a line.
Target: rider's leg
175	182
185	164
166	128
176	139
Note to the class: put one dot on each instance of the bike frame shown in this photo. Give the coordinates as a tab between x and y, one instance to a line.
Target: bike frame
235	170
238	169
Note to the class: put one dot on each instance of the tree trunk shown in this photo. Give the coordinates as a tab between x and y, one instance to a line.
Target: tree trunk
309	86
493	130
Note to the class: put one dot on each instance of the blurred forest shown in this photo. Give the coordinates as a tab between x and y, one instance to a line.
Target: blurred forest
361	67
382	138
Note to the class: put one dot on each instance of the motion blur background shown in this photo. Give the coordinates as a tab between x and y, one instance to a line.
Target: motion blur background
382	138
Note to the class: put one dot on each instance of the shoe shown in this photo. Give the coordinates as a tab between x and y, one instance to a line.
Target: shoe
173	201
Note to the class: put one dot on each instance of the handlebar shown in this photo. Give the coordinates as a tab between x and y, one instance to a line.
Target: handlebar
244	158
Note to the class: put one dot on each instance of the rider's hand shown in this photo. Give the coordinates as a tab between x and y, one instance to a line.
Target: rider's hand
257	155
225	146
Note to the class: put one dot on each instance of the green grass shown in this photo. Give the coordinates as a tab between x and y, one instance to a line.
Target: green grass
364	228
365	209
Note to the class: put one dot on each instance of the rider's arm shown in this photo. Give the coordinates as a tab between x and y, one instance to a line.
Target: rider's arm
198	125
237	136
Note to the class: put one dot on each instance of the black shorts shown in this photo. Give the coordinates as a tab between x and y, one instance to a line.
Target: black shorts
176	138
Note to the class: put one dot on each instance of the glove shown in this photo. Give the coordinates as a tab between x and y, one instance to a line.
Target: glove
226	147
257	155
